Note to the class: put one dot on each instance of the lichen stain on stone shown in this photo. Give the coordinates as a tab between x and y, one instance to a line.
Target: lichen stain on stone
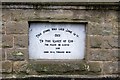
17	53
56	68
6	46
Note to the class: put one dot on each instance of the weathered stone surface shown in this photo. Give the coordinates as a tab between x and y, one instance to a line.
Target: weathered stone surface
13	27
99	55
94	28
115	28
105	25
21	15
54	14
111	16
6	15
2	30
7	41
94	67
6	66
114	41
20	67
111	67
2	54
21	41
115	54
107	29
96	41
17	15
78	14
16	54
6	75
110	42
14	15
95	16
58	68
0	41
101	16
106	42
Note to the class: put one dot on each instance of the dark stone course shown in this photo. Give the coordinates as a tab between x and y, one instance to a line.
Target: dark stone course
63	68
63	78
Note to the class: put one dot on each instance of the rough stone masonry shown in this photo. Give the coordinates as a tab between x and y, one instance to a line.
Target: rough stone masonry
102	33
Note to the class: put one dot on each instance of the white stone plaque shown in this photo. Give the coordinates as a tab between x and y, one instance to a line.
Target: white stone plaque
56	41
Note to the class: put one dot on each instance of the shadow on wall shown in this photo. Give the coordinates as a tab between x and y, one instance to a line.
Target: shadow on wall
60	78
119	34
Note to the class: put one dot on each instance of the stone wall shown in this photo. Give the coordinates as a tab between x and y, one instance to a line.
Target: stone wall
102	48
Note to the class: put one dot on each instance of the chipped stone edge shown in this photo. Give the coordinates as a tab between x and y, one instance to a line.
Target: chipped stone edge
65	5
65	76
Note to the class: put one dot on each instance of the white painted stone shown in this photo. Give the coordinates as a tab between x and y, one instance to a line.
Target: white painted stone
45	38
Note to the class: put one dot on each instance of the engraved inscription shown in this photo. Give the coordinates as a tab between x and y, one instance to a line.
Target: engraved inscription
56	41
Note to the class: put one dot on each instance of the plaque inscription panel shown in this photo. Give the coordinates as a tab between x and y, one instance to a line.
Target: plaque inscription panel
56	41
